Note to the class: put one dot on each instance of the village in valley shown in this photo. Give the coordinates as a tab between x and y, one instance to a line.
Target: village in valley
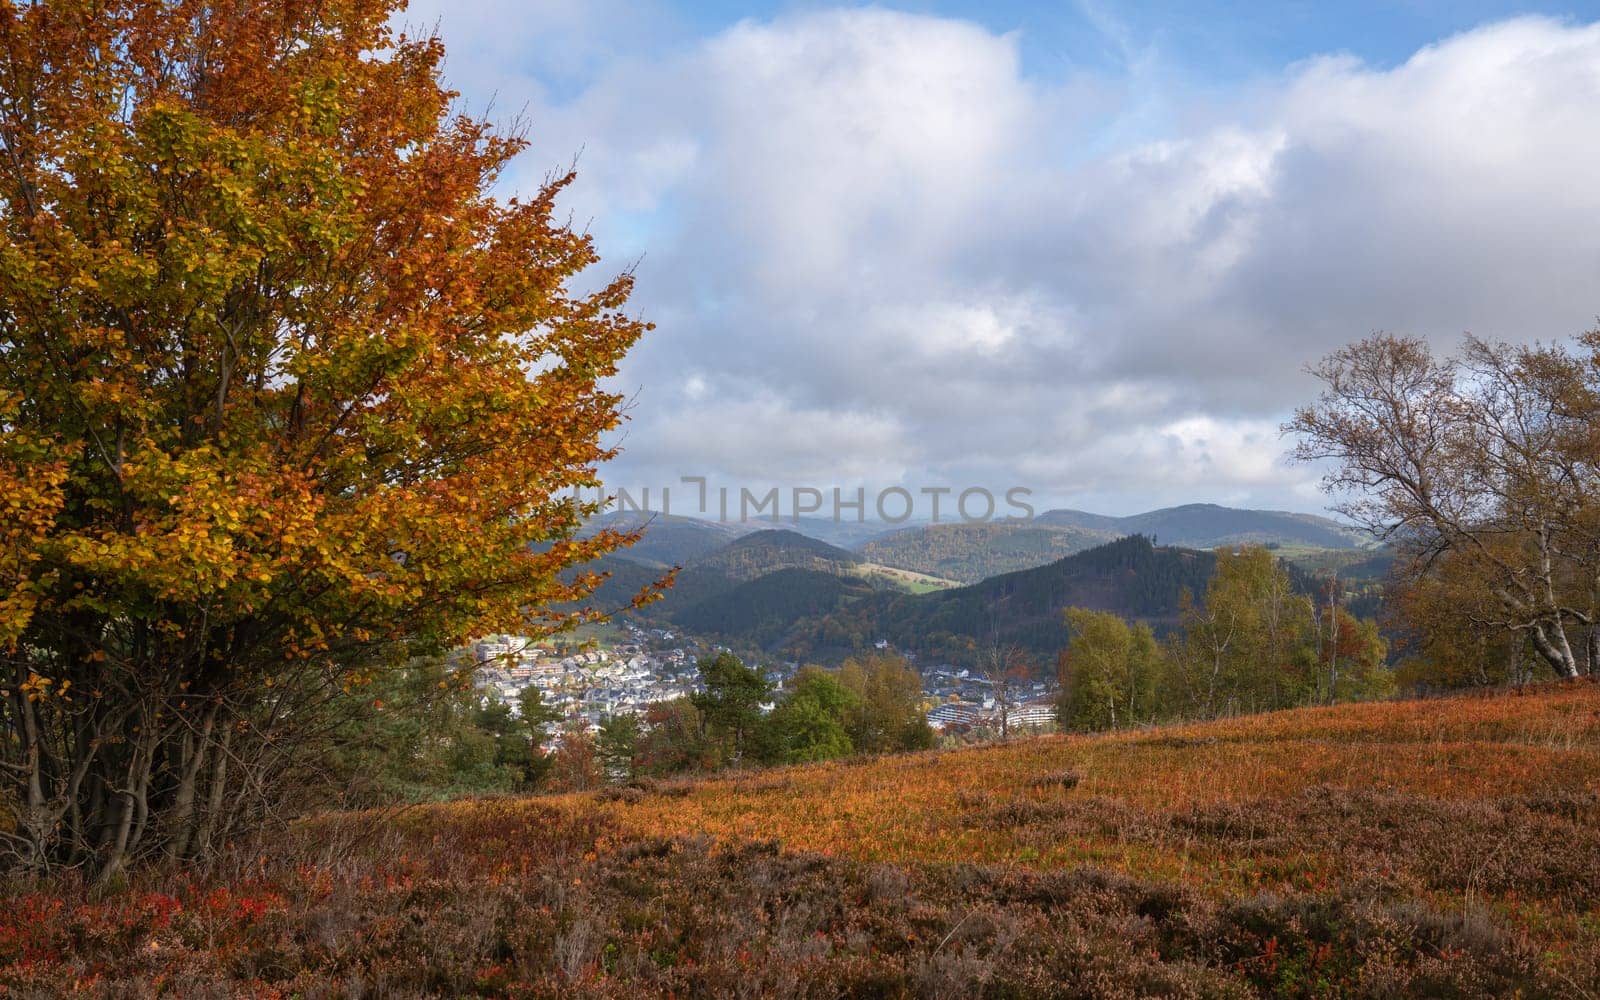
625	667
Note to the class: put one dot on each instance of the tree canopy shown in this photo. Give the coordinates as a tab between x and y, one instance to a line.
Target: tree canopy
731	703
1484	468
287	397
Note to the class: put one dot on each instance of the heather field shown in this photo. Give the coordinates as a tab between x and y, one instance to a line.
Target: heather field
1446	848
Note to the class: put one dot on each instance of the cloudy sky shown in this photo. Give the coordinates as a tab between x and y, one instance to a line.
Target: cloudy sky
1082	248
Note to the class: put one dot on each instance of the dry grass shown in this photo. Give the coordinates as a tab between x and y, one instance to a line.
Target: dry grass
1446	848
912	808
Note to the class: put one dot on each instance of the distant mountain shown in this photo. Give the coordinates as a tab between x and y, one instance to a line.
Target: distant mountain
676	539
753	558
1129	576
763	552
1207	526
668	540
843	531
972	552
1083	520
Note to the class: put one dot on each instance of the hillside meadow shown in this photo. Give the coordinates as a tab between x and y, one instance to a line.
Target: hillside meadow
1443	848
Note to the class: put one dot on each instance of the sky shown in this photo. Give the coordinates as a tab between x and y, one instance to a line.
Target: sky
1086	249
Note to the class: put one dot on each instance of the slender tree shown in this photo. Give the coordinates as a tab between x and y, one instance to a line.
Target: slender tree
618	745
1005	665
1490	460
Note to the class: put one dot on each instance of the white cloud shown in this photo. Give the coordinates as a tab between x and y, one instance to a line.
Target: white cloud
869	258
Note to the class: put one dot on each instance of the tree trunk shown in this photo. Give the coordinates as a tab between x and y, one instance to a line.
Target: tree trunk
123	830
182	820
217	793
1550	639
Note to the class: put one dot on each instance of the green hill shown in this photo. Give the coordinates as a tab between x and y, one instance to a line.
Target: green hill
749	573
1358	564
668	540
841	531
972	552
625	578
804	599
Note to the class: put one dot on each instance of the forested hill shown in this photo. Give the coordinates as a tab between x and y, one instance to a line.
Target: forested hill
763	611
1130	576
973	552
800	599
965	552
763	552
720	574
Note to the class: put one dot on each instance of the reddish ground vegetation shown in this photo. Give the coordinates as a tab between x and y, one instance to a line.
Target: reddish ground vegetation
1445	849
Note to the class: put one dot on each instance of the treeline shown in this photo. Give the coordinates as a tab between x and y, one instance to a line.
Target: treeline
431	735
1255	642
871	704
773	549
762	611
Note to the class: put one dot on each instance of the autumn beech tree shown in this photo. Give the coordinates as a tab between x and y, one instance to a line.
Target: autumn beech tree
1484	468
286	397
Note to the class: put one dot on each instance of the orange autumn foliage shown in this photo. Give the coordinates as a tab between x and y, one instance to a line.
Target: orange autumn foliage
288	395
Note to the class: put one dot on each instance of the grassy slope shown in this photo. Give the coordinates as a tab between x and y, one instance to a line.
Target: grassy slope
908	580
1132	785
1443	848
